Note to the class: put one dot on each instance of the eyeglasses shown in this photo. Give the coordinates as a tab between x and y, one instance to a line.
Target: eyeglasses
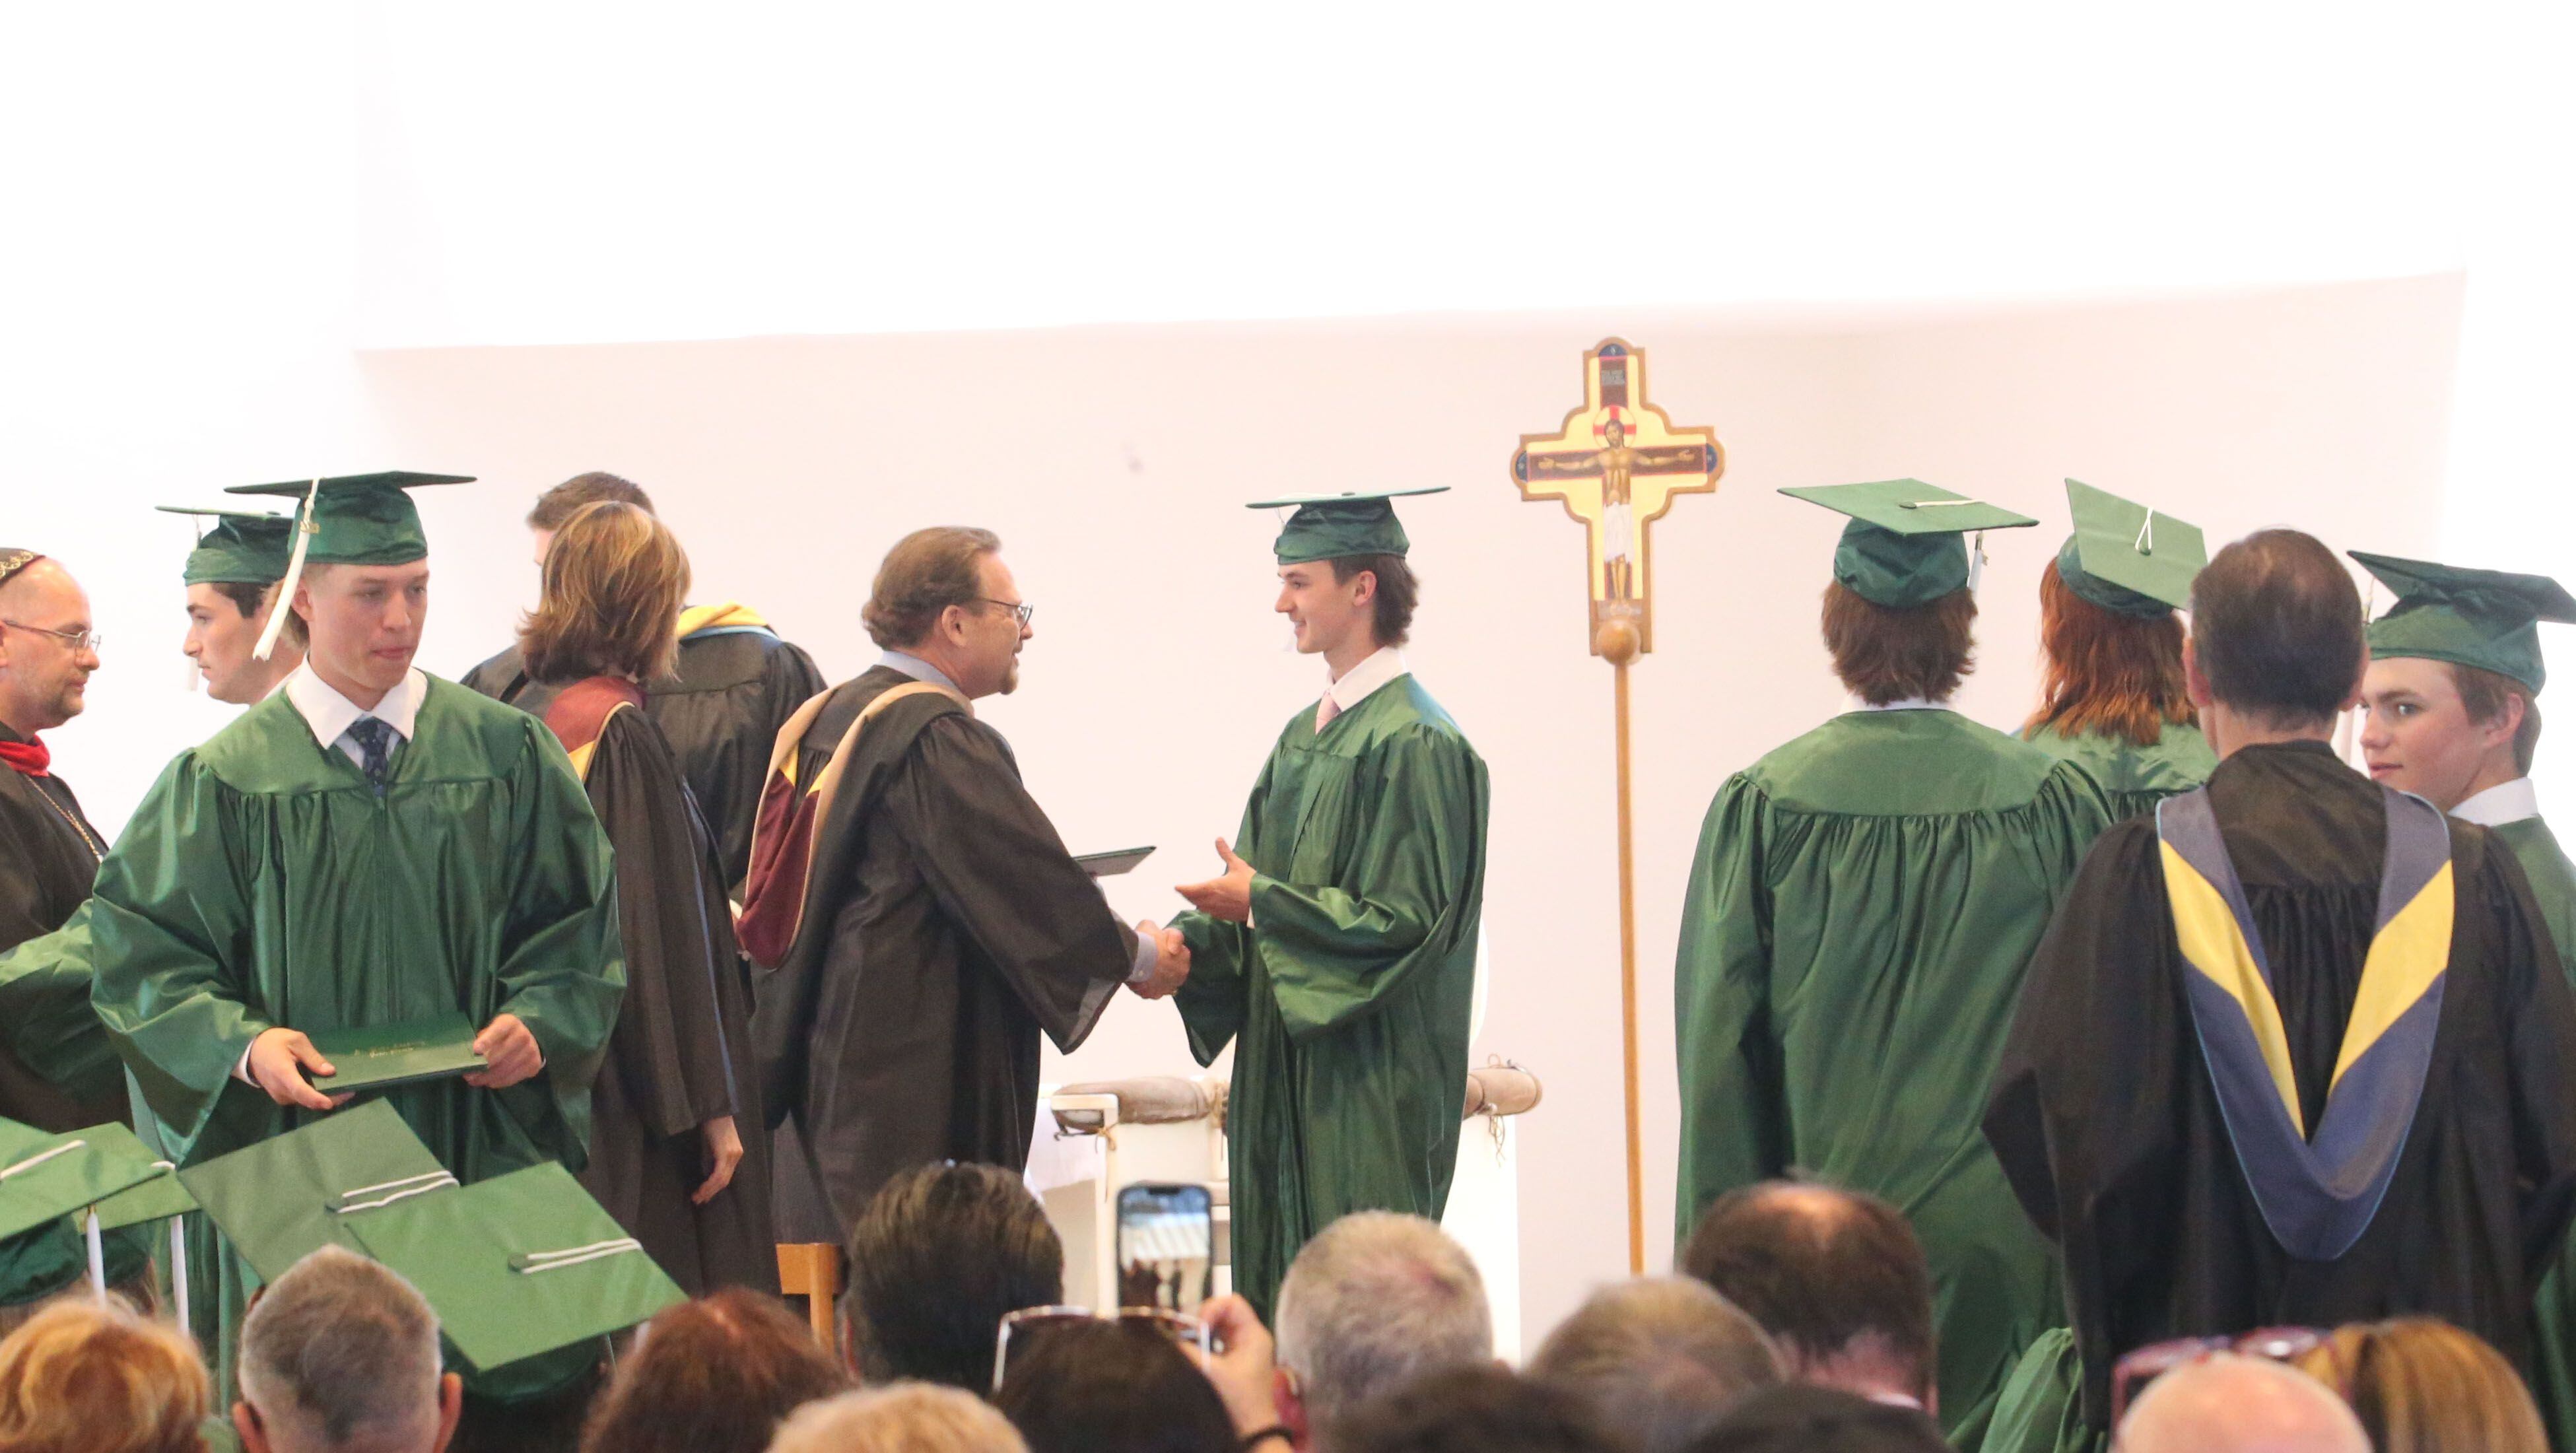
1171	1324
1022	610
2144	1365
77	640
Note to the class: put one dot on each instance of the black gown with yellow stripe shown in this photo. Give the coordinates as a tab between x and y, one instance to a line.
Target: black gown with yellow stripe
2109	1122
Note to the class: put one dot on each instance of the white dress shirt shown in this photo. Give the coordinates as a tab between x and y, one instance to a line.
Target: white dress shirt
2504	802
1911	703
330	714
1354	686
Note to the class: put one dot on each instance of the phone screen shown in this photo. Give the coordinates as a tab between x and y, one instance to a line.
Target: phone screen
1166	1240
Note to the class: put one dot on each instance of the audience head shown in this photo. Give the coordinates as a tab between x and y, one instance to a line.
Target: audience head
46	656
712	1376
1111	1387
1481	1408
2420	1385
559	504
1900	653
939	1257
84	1376
545	1422
614	582
1378	1298
906	1417
1661	1359
944	595
1836	1277
2107	673
2276	634
2230	1403
1803	1418
340	1355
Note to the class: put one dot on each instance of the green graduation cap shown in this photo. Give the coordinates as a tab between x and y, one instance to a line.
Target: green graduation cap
519	1266
2127	558
1331	526
2483	618
242	547
292	1194
360	519
1903	547
47	1177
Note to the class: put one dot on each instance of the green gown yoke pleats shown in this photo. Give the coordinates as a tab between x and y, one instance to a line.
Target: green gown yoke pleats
2134	779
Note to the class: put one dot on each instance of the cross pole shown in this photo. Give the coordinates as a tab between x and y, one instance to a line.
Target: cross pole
1616	464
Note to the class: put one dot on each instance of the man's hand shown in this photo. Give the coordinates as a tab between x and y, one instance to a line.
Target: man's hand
510	1054
1245	1372
1171	962
724	1152
278	1059
1229	897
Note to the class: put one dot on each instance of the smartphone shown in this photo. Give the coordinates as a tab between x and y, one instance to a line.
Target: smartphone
1166	1243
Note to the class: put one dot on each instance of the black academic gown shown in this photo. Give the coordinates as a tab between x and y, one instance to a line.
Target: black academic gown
944	928
734	687
2105	1118
681	1053
49	855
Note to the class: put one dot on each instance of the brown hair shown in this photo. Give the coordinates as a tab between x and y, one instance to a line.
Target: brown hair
924	574
713	1376
2106	674
2420	1385
96	1377
561	503
247	598
2484	694
614	580
1890	653
2276	628
1391	609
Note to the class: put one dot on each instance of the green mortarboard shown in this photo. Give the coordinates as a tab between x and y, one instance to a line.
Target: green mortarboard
2127	558
361	519
2483	618
292	1194
1331	526
47	1177
244	547
1903	548
519	1266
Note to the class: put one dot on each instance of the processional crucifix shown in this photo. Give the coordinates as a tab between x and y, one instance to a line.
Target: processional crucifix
1616	464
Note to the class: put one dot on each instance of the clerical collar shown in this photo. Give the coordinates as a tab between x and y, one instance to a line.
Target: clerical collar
918	669
2504	802
1911	703
1352	687
330	714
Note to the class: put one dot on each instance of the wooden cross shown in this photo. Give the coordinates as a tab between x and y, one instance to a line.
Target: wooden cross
1616	464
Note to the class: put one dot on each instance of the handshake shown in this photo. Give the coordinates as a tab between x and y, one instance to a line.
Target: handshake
1171	962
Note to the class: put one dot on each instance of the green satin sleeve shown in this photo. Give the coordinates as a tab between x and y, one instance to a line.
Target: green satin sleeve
2041	1409
1332	954
171	914
1734	1124
1211	1000
563	967
45	1011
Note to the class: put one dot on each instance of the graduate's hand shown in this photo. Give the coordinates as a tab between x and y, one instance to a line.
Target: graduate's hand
275	1058
1229	897
1171	962
1246	1370
510	1054
724	1152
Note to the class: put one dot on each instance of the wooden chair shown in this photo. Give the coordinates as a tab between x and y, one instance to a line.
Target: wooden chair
812	1270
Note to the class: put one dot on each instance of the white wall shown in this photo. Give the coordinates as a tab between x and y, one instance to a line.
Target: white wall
1114	461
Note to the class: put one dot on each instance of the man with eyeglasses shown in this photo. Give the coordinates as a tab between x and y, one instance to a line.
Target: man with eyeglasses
916	919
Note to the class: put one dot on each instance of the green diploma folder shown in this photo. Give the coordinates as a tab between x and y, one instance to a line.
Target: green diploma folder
386	1055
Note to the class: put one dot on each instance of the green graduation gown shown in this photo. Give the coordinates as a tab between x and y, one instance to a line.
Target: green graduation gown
1348	1004
1860	912
262	883
2134	779
2553	1381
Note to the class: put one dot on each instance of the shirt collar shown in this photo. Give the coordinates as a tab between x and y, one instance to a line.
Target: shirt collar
2504	802
1911	703
918	669
330	714
1353	686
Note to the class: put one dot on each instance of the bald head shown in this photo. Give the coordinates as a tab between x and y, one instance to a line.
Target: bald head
2233	1404
45	654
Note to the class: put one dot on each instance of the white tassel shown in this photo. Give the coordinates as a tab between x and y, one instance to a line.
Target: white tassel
304	529
179	1267
97	1257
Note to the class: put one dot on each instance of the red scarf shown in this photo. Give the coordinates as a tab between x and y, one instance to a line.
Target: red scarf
29	757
